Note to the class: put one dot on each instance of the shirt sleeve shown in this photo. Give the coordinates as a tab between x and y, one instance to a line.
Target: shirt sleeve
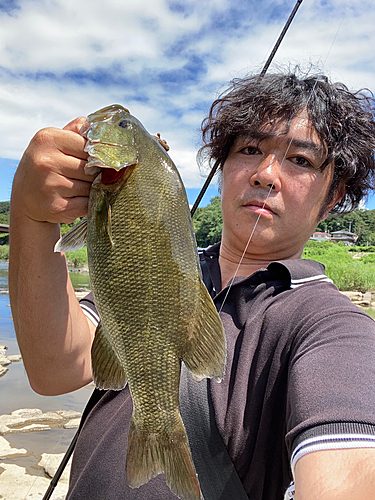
88	307
331	390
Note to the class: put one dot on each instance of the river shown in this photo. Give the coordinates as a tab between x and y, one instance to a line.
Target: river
16	393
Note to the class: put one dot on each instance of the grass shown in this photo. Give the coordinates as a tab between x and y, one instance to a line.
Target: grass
75	259
348	273
370	311
4	252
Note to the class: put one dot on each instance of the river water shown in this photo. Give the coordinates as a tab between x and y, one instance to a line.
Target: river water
16	393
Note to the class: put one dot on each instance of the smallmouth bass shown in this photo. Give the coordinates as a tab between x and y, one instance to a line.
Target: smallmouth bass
155	311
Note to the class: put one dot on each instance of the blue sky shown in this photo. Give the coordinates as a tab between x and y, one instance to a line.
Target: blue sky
165	60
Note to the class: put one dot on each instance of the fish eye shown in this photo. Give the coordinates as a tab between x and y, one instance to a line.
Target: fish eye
123	124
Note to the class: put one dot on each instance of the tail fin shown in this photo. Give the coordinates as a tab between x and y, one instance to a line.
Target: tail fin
151	454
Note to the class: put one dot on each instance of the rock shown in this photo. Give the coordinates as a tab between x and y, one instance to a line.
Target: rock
50	463
3	370
72	424
6	451
361	303
16	483
69	414
14	358
353	296
81	294
4	429
28	413
358	298
367	298
51	417
30	420
4	361
30	428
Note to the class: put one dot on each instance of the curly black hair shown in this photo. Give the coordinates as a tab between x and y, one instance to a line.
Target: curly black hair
343	120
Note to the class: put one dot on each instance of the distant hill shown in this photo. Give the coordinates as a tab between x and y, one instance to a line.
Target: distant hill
4	212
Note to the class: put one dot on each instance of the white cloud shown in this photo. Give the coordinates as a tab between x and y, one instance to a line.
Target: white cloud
165	61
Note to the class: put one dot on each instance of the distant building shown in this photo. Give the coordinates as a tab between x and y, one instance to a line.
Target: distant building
320	236
346	237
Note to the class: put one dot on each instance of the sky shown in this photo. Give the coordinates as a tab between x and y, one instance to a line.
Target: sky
164	60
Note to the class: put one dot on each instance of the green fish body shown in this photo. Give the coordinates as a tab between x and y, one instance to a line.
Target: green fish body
155	311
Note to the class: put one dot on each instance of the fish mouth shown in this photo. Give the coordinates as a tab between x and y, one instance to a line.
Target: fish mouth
96	163
110	140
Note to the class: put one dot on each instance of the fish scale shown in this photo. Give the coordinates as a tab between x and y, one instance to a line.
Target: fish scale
155	311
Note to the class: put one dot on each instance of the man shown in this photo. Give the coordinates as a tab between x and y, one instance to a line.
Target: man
298	398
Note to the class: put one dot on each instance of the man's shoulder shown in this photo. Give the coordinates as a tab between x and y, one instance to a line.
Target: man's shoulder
311	295
301	270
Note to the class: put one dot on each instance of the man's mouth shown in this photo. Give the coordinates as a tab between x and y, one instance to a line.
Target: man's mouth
259	207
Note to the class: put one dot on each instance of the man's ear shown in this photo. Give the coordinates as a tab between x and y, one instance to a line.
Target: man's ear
339	195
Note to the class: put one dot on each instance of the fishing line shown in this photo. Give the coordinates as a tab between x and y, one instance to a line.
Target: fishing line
245	250
230	283
70	450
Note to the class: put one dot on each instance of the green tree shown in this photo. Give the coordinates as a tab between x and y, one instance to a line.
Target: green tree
4	212
361	222
208	223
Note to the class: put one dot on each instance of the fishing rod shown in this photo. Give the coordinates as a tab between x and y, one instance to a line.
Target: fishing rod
71	447
60	470
261	75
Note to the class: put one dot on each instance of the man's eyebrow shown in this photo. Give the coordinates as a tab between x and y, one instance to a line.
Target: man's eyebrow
312	146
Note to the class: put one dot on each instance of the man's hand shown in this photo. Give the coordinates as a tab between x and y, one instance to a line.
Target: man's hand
50	184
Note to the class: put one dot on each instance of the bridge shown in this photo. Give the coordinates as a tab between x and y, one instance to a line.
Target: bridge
4	228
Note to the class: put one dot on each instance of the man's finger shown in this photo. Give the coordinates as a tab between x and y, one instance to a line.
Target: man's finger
76	124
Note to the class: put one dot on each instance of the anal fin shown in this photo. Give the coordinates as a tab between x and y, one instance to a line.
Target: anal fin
108	373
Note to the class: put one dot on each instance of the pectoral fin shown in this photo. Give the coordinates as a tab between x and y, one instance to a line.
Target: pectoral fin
103	217
74	239
205	352
108	373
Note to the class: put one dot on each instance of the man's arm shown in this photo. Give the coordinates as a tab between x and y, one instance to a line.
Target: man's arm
53	334
346	474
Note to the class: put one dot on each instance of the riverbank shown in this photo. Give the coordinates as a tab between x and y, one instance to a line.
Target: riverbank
32	442
35	431
26	473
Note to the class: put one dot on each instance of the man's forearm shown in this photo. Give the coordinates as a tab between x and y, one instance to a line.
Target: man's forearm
347	474
53	335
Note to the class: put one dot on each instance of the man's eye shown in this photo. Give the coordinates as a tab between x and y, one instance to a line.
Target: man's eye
249	150
300	161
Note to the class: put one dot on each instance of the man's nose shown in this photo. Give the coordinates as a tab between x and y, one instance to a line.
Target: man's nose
267	174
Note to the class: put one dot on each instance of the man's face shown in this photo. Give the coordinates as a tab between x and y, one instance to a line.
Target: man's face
282	171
